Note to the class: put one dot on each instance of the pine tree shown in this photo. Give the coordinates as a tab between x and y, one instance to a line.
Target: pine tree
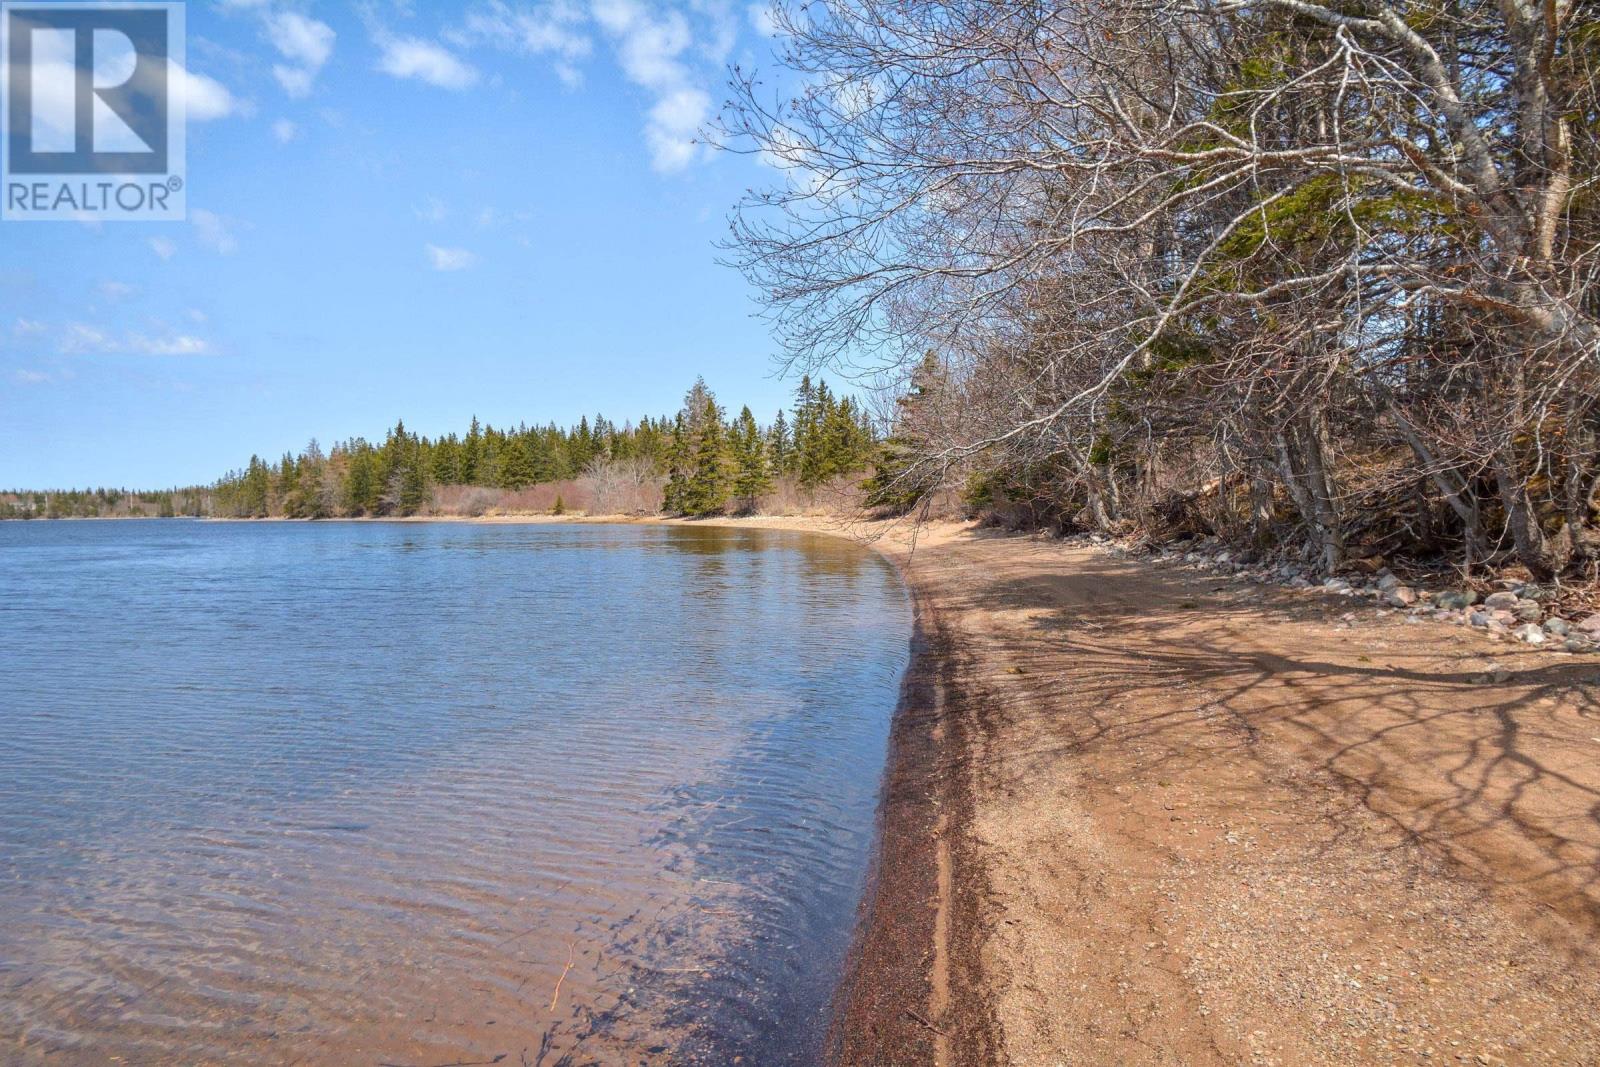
472	471
707	491
815	405
515	468
288	475
256	490
805	422
674	498
780	446
751	477
363	487
413	481
444	461
896	483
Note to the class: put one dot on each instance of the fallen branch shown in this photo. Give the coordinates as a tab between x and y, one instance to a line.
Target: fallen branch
557	994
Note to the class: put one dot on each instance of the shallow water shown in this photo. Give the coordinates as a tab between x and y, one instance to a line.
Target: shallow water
418	794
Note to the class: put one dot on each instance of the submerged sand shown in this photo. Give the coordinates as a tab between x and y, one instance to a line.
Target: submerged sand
1138	815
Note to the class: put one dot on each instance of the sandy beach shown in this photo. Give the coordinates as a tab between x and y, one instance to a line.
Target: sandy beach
1141	815
1136	814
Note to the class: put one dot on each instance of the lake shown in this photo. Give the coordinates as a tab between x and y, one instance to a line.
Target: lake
416	793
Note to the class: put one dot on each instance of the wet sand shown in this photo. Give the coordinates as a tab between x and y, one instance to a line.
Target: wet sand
1138	815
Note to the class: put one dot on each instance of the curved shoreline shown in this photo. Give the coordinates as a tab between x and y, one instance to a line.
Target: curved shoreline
905	996
1136	813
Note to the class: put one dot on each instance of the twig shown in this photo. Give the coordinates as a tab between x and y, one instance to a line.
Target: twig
918	1018
557	994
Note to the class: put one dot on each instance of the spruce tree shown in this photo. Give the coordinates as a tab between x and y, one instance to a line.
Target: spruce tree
709	480
472	471
257	490
413	482
751	477
515	469
804	425
780	446
674	499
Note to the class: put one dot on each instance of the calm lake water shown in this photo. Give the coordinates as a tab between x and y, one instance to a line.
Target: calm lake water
362	793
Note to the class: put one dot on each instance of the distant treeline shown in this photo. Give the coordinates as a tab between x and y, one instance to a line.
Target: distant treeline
103	503
697	462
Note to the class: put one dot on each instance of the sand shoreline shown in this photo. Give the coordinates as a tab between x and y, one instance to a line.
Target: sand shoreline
1141	814
1137	814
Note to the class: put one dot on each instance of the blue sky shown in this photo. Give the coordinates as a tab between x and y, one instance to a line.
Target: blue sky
396	210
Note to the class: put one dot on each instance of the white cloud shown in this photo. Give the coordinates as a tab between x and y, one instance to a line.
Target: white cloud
553	28
176	344
300	39
665	49
80	338
413	57
31	377
204	98
114	290
571	77
675	122
305	44
762	19
295	81
489	217
214	231
28	328
163	247
723	22
285	131
432	210
650	47
450	258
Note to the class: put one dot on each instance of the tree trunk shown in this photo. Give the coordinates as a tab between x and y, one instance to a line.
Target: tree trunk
1303	462
1534	548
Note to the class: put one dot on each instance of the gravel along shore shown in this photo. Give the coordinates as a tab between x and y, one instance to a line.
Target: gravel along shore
1137	814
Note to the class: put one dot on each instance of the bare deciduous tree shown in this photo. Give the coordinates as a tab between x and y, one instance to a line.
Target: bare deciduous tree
1305	260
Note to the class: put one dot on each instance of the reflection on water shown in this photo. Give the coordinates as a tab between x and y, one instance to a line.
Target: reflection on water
423	794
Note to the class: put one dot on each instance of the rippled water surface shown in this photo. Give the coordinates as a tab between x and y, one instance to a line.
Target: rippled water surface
422	794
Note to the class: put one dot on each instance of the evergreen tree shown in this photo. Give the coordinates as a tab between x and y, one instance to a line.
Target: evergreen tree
257	488
780	445
751	477
896	483
707	491
363	486
413	482
472	471
444	461
288	475
675	495
515	469
805	424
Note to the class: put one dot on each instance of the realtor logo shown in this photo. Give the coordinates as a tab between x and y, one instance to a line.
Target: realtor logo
91	126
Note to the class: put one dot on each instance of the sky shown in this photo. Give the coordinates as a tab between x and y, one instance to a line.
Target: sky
397	209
